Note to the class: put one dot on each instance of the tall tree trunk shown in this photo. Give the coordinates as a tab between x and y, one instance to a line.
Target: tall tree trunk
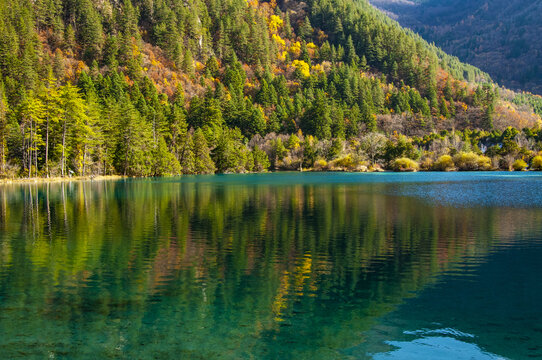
105	162
35	152
30	151
84	158
63	165
36	160
128	141
47	148
154	129
3	154
24	147
3	148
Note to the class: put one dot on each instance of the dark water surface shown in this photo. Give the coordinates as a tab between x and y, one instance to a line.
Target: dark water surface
276	266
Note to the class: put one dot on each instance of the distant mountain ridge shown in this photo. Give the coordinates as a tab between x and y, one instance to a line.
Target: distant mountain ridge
500	37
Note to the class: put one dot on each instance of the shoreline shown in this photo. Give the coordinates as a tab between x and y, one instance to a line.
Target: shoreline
59	179
40	180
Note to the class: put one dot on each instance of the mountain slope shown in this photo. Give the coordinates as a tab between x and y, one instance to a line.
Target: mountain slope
499	36
155	87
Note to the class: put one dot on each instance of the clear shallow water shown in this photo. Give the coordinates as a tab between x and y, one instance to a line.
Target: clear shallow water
274	266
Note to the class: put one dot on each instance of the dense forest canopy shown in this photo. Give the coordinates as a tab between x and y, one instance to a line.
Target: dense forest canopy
157	87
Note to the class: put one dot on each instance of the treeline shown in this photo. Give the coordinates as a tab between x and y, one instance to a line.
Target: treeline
444	151
66	131
167	87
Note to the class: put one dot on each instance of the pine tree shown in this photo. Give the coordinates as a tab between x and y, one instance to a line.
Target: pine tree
305	29
73	120
169	39
203	164
111	52
309	152
90	30
93	145
444	108
212	67
186	156
133	153
31	113
164	162
4	108
367	117
351	56
363	63
261	161
69	39
129	20
188	62
317	121
278	152
51	99
178	130
230	154
352	127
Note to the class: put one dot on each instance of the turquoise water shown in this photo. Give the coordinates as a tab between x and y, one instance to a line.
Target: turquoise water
274	266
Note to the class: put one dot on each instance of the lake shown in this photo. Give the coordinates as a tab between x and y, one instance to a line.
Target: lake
274	266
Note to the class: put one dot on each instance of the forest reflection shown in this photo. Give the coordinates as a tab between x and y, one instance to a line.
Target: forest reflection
229	270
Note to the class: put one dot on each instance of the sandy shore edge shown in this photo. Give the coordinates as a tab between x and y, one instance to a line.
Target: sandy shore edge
40	180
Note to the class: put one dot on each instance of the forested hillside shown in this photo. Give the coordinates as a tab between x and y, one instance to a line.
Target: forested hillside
157	87
499	36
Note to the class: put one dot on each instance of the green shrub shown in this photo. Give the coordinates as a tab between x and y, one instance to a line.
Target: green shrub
293	142
261	161
484	163
404	164
519	165
470	161
426	164
536	163
320	165
444	163
346	162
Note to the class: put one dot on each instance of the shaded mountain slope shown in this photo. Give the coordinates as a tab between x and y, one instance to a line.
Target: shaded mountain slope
501	37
